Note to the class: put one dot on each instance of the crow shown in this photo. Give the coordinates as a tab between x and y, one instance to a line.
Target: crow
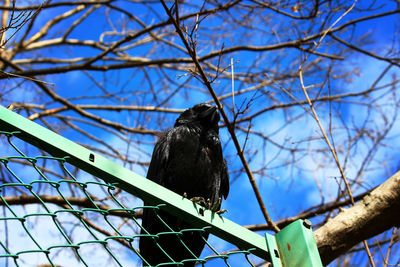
188	160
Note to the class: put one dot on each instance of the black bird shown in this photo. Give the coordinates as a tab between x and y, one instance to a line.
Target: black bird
187	160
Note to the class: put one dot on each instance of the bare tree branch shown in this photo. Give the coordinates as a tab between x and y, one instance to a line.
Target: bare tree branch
374	214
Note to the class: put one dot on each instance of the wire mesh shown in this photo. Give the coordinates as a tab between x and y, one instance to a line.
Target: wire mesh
55	214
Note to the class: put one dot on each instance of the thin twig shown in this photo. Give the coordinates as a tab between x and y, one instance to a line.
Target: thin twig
315	115
233	87
393	240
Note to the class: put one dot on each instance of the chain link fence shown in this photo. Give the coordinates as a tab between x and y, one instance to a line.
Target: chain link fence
63	208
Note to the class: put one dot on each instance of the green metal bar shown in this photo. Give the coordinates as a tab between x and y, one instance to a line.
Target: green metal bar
297	245
274	251
131	182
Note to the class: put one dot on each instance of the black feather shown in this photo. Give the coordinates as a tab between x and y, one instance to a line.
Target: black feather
187	160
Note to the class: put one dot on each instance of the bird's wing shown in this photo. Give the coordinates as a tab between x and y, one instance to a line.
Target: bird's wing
158	161
224	180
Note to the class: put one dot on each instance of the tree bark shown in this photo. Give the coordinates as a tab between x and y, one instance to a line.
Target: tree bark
375	213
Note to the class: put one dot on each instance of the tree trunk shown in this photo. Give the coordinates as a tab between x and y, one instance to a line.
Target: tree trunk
374	214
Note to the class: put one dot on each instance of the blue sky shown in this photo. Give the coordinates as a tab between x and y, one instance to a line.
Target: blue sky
286	191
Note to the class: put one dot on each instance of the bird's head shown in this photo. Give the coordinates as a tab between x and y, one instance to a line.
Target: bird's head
205	114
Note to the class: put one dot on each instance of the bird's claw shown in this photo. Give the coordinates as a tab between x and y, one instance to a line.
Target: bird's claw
207	204
219	212
199	200
216	206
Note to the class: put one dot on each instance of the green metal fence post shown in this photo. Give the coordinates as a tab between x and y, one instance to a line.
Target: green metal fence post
297	245
273	250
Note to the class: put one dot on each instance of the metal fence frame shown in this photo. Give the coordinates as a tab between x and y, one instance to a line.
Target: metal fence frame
271	248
